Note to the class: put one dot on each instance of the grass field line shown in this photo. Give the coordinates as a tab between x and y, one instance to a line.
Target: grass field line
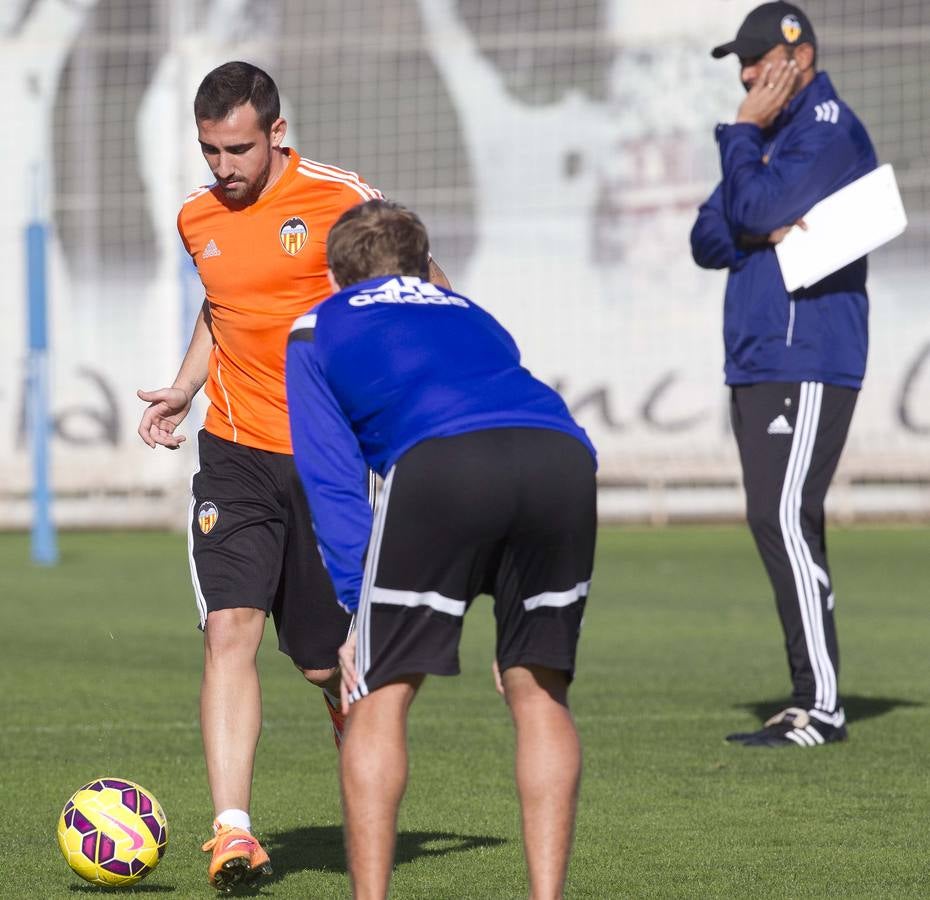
102	728
136	727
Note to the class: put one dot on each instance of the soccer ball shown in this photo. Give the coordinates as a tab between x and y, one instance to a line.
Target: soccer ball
112	832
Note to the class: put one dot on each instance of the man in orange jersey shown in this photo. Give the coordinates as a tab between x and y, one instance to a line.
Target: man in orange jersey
258	239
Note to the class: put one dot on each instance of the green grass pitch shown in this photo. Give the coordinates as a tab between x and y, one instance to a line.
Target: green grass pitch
100	666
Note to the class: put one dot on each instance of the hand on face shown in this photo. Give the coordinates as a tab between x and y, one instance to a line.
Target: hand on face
769	93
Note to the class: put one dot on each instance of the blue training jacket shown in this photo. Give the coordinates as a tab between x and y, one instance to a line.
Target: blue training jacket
380	367
770	179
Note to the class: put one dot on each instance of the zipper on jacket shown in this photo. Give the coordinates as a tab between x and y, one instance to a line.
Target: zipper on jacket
790	334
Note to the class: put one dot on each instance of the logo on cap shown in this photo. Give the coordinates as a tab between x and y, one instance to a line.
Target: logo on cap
207	515
791	28
293	235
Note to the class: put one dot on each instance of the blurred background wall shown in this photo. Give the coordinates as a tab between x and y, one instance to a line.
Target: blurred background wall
557	151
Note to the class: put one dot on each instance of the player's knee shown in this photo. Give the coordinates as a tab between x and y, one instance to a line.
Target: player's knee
319	677
531	684
233	632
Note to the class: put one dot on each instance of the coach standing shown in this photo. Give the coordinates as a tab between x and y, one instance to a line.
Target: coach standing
794	361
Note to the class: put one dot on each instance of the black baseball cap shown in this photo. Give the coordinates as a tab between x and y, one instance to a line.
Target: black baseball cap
766	27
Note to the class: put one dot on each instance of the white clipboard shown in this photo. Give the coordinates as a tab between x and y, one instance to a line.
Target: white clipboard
842	228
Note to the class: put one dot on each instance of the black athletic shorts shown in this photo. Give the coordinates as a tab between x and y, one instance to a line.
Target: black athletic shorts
252	545
509	512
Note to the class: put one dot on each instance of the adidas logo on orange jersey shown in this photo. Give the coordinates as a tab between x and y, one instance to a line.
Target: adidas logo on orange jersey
210	250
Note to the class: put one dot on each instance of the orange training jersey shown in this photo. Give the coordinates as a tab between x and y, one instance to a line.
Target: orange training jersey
261	268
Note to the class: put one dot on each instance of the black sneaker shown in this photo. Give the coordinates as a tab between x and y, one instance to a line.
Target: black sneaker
796	727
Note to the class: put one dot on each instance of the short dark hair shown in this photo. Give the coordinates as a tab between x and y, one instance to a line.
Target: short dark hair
375	238
233	84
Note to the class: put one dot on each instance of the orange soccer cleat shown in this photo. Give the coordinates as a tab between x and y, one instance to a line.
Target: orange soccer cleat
338	719
238	858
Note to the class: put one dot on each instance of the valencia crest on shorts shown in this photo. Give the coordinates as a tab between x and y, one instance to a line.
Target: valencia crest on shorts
207	514
293	235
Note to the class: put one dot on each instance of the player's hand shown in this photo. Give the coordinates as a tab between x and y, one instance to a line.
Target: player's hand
167	409
778	235
768	96
498	684
349	679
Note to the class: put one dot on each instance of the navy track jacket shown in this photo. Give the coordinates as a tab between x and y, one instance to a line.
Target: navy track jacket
380	367
770	179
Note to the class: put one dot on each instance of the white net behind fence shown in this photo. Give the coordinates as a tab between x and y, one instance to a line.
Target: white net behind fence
557	151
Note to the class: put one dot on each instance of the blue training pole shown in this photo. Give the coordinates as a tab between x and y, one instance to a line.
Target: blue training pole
44	542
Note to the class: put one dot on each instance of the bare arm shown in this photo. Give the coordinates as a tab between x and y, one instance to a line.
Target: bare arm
168	406
196	364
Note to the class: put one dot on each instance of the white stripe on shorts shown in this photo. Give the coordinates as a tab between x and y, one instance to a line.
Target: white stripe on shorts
363	614
199	598
411	598
558	598
372	494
